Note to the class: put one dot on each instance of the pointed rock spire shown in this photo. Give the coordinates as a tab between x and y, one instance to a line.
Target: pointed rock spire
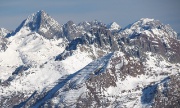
43	24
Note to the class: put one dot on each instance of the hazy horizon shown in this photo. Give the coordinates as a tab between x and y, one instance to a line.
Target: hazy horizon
120	11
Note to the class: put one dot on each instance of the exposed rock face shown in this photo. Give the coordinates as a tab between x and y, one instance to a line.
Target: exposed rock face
99	37
3	43
90	65
43	24
165	93
71	31
168	93
3	40
49	27
146	35
151	35
143	43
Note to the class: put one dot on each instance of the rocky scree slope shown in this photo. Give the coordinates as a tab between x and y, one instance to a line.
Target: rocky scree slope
90	64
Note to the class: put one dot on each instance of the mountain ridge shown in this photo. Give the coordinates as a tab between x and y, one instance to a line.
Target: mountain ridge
41	15
45	64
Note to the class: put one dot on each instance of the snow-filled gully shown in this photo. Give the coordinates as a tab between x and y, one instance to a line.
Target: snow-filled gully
78	78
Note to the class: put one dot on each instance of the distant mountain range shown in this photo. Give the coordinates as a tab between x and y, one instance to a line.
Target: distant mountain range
89	65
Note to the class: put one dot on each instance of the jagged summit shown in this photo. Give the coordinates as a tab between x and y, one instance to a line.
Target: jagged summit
36	18
43	24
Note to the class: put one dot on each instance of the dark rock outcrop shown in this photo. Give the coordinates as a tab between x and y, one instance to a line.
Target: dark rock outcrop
3	43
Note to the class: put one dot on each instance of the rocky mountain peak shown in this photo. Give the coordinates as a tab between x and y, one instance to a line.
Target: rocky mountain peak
71	31
43	24
146	24
70	23
34	21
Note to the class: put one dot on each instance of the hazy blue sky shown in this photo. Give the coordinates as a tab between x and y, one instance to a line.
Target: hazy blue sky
124	12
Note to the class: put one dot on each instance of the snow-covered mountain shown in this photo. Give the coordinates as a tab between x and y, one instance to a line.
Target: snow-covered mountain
150	27
41	23
114	26
89	65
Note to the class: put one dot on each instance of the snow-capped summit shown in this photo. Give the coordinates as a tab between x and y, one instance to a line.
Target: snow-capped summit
149	27
146	20
113	26
43	24
40	20
146	24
